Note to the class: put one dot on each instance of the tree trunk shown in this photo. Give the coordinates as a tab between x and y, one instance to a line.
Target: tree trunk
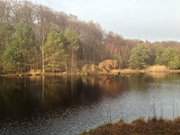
42	56
72	60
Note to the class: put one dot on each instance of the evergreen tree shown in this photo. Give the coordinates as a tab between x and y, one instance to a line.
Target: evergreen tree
17	55
139	57
55	55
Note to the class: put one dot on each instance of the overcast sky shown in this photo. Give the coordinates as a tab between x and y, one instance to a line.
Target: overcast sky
142	19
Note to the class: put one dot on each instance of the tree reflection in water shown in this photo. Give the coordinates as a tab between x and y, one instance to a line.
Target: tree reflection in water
28	97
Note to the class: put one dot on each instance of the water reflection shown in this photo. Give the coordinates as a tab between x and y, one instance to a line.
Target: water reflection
69	105
25	96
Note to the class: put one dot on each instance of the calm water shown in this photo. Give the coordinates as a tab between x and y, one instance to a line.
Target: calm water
68	106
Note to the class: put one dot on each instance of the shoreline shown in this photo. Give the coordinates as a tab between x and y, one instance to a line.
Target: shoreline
138	127
113	73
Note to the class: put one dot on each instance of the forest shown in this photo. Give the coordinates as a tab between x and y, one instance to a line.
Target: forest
35	37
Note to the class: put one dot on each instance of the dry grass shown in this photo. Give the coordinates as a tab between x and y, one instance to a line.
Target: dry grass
34	72
131	71
139	127
157	68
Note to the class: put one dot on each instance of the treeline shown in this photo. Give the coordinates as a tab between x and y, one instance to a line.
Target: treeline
145	55
34	37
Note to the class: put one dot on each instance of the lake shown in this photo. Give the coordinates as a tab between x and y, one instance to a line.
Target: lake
71	105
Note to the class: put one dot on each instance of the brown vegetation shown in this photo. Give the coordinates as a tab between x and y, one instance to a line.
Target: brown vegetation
139	127
104	67
108	65
90	69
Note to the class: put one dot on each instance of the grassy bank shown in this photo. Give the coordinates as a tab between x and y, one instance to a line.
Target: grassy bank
139	127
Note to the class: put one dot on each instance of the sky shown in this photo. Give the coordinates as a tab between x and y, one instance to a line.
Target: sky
153	20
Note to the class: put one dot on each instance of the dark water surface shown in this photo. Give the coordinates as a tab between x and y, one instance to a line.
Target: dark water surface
68	106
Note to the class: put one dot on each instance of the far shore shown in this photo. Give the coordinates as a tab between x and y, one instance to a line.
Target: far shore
114	72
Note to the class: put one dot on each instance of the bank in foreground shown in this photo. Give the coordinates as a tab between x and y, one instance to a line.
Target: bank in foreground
139	127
